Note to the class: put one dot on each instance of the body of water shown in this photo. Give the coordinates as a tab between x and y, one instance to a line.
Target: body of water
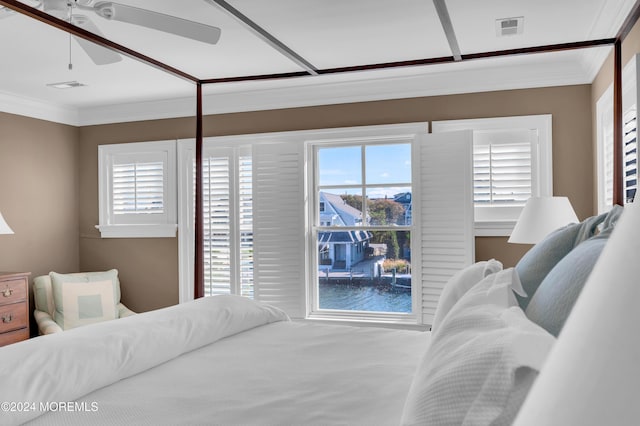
357	297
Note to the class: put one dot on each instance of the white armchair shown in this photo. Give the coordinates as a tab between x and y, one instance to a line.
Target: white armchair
45	309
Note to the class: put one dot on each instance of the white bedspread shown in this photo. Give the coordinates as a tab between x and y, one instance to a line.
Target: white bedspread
279	373
43	372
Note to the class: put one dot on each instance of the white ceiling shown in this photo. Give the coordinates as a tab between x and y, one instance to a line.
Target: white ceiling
328	34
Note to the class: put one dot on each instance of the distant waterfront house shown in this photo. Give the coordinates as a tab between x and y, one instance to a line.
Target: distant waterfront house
340	250
334	211
404	198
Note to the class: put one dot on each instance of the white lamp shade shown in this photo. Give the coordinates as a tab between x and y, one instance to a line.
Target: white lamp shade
592	373
4	227
541	216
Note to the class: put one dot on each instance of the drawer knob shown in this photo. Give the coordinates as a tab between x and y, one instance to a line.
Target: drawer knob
7	292
6	319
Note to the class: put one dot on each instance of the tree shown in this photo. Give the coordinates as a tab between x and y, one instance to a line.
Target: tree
390	238
384	211
354	201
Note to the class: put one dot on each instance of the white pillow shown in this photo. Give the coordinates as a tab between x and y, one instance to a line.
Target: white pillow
481	362
459	284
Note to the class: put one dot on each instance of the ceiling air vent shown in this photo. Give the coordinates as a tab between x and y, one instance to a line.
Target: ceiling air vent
66	85
509	26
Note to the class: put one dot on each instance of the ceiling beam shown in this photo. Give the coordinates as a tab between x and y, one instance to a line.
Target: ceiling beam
94	38
266	36
426	61
560	47
447	26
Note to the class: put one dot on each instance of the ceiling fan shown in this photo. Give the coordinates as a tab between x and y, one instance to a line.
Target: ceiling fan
65	9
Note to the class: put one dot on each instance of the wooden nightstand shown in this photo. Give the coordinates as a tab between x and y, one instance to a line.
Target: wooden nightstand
14	307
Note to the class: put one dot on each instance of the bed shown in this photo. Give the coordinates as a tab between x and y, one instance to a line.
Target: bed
228	360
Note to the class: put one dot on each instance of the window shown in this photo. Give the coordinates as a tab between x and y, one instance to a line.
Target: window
604	112
276	217
511	162
137	189
362	234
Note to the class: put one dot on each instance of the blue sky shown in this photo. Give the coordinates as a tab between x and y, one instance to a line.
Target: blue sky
385	164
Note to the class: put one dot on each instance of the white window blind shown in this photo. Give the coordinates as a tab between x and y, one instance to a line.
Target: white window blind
138	188
502	174
217	227
446	211
245	224
228	221
137	185
630	155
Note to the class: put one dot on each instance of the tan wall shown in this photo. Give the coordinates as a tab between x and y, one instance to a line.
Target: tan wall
149	268
38	195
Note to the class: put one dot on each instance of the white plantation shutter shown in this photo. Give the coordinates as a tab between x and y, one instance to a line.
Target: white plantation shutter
279	242
630	153
445	210
227	219
629	160
216	215
503	163
137	186
607	167
245	223
502	174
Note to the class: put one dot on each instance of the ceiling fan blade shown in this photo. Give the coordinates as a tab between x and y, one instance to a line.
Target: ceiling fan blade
158	21
98	54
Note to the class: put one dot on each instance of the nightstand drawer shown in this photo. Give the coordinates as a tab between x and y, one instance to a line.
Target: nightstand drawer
14	337
13	317
12	291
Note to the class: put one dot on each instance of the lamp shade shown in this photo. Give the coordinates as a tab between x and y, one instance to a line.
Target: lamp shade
540	216
591	375
4	227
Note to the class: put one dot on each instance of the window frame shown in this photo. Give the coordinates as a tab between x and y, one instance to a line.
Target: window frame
363	140
162	225
499	221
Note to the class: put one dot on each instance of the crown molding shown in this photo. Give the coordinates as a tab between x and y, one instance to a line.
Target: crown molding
34	108
481	75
